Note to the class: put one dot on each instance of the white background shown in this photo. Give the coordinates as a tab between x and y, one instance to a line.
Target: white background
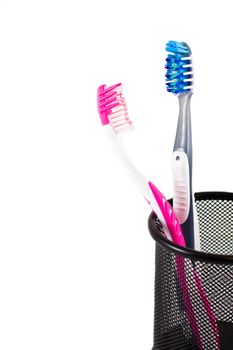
76	259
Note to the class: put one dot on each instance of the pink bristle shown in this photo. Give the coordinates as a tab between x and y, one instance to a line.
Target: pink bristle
112	108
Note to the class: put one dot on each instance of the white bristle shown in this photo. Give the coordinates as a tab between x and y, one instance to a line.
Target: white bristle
119	117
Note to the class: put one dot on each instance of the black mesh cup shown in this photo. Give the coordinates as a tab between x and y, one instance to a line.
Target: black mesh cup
194	289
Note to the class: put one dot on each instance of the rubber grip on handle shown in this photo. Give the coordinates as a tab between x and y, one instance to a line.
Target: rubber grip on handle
181	183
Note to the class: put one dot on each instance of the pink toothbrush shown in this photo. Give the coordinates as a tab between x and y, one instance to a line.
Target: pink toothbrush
114	117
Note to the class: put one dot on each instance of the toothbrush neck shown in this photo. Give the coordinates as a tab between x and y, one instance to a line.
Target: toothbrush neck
184	99
183	141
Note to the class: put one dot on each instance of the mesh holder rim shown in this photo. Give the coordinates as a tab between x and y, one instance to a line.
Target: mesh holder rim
157	235
194	289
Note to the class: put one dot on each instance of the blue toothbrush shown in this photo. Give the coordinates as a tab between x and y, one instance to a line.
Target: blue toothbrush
179	81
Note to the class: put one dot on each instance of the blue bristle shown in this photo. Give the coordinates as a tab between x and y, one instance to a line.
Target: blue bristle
179	67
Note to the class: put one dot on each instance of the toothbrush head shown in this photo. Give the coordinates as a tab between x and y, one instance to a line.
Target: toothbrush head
179	76
112	108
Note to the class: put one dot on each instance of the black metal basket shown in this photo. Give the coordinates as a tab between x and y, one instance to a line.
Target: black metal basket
194	290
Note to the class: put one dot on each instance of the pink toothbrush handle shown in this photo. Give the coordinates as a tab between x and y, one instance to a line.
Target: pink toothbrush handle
176	234
169	216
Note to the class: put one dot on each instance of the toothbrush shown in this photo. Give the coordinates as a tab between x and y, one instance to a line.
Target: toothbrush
115	120
114	117
179	81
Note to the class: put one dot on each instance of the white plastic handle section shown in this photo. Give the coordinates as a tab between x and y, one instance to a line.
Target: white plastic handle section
180	170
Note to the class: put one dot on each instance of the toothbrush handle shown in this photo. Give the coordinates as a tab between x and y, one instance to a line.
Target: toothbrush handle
183	200
166	214
154	197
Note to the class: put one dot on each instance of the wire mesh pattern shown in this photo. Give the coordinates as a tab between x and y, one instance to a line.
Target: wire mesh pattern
216	218
194	297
